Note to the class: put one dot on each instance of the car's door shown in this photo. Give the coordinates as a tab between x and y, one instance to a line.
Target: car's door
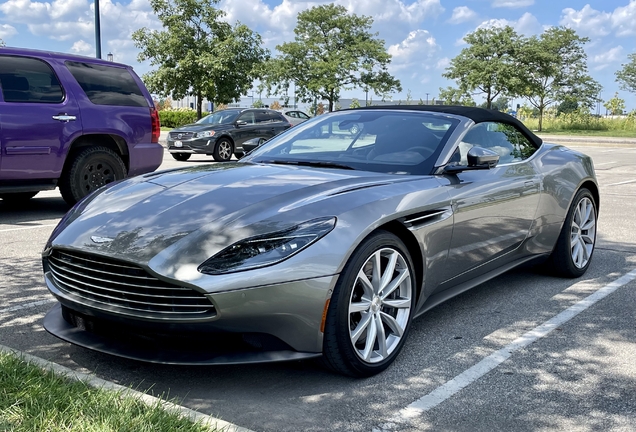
494	208
246	128
38	116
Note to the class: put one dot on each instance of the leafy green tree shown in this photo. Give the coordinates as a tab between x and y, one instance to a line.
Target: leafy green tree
454	96
626	77
488	64
199	54
615	105
502	103
355	103
568	106
258	104
553	67
332	51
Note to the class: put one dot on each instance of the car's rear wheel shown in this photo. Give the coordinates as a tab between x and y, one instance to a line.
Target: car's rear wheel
223	150
18	197
573	252
371	308
90	169
181	156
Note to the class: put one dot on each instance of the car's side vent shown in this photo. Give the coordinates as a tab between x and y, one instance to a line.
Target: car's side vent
427	217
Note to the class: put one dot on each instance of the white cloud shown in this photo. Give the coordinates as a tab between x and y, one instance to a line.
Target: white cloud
81	47
512	3
587	21
527	25
6	31
604	59
591	22
462	14
443	63
417	51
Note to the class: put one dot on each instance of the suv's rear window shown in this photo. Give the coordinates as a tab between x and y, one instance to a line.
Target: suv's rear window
26	79
107	85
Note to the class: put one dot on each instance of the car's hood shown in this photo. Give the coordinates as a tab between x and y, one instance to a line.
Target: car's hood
203	127
140	217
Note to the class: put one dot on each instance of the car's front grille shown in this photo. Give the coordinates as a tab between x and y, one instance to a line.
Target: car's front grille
181	135
124	288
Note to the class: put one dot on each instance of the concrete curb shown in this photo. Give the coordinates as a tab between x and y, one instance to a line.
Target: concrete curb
99	383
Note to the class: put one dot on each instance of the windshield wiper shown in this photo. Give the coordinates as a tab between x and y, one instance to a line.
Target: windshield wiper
318	164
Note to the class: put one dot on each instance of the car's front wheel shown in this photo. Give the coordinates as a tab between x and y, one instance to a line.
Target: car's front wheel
181	156
88	170
572	254
223	150
371	308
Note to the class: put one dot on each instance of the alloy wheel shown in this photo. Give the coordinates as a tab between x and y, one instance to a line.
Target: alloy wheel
380	305
225	150
583	233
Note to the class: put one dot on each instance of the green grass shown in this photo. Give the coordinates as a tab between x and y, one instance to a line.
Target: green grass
34	400
592	133
585	125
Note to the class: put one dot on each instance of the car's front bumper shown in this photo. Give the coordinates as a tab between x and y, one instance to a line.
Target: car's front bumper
262	324
194	145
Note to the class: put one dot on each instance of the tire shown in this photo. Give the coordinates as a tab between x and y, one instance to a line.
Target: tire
573	252
223	150
88	170
18	197
181	156
388	316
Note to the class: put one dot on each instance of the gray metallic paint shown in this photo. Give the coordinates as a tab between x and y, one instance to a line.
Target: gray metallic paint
486	222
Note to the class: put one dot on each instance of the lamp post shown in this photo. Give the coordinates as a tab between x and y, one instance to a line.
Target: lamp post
110	57
426	98
98	37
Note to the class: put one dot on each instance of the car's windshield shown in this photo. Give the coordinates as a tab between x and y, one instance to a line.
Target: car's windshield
387	141
220	117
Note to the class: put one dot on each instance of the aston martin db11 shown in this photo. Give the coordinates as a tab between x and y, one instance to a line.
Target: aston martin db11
326	241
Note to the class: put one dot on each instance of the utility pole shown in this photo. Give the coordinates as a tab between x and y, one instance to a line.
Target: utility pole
98	37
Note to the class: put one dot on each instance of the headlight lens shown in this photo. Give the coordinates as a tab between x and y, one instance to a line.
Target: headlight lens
269	249
205	134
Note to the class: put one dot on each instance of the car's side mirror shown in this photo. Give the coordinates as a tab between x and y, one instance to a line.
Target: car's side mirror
478	158
482	157
240	123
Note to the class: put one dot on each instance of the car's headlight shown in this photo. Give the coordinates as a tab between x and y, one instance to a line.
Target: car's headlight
204	134
268	249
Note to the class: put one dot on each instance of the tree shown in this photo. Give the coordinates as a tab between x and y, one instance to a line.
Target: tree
258	104
199	54
626	77
355	103
568	106
488	64
615	105
502	103
454	96
2	43
553	68
332	51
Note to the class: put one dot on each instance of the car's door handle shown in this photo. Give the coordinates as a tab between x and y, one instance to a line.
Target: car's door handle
529	183
63	117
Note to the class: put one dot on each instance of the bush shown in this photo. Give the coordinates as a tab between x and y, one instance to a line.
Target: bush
173	118
582	121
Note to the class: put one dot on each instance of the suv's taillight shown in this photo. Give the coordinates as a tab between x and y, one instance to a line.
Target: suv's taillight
156	125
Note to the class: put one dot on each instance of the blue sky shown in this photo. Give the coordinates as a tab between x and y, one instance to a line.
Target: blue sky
422	35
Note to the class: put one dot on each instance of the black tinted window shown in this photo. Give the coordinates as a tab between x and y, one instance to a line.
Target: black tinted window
263	117
29	80
107	85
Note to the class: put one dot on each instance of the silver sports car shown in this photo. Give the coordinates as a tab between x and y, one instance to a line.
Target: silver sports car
326	241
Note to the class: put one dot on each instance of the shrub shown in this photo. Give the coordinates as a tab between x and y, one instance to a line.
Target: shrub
173	118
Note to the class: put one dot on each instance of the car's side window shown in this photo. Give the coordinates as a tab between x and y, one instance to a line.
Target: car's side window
107	85
302	115
29	80
263	117
504	139
247	117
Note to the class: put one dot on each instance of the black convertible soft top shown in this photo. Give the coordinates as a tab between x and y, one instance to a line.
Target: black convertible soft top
478	115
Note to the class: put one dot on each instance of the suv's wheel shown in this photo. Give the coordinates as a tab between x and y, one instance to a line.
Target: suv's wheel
17	198
181	156
223	150
371	307
88	170
573	252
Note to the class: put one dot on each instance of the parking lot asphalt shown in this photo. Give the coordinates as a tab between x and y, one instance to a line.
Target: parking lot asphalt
579	377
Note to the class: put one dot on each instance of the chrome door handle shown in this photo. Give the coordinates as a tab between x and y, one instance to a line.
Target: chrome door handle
64	117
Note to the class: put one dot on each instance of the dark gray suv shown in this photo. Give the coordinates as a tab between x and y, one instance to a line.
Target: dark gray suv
223	133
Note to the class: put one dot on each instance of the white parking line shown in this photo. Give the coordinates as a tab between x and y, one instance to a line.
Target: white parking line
99	383
622	183
475	372
28	227
27	305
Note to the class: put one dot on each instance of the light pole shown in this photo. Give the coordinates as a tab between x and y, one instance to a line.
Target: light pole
98	37
426	98
110	57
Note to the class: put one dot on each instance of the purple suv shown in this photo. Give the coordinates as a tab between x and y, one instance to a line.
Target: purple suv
71	122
